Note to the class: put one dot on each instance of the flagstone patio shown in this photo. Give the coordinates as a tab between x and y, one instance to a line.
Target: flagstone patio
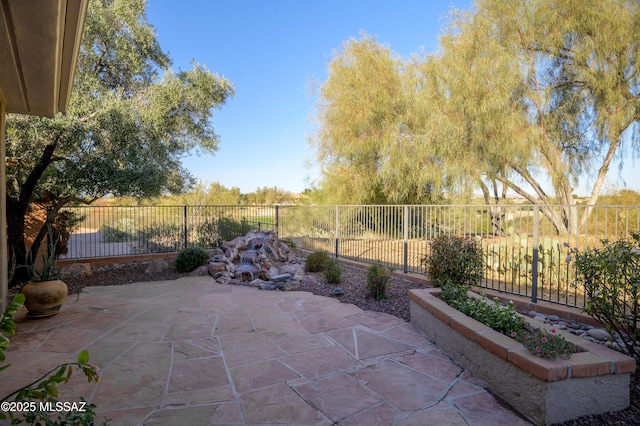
195	352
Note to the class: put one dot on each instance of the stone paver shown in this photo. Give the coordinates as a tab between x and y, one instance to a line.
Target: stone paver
195	352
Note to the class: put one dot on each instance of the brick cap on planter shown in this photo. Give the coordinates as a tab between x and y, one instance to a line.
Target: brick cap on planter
593	360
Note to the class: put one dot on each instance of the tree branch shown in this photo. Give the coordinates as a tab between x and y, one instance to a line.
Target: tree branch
31	182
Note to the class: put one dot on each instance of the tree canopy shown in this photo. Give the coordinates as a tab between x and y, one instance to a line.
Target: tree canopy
520	93
540	90
366	137
130	120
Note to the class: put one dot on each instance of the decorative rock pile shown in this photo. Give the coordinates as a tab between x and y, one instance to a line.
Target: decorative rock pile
258	259
587	332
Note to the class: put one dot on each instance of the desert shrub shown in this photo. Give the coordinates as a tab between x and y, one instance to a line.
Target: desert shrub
378	279
214	231
611	280
333	272
290	242
190	258
228	229
455	259
159	238
317	261
207	233
65	223
123	230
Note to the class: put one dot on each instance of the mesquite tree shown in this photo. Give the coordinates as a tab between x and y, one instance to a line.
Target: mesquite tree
522	96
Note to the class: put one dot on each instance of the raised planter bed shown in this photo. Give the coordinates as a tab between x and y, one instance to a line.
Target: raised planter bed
593	381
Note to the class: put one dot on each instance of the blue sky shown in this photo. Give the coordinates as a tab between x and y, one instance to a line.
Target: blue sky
272	51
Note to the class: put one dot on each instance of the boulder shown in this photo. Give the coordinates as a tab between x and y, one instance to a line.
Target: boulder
291	286
156	266
267	285
76	270
281	278
272	271
599	334
258	283
214	267
200	271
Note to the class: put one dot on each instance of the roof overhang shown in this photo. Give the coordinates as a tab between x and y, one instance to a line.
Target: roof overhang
39	46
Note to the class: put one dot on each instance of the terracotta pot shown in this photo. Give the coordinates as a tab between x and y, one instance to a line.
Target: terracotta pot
45	298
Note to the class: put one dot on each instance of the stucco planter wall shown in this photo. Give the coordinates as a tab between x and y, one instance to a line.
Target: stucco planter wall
593	381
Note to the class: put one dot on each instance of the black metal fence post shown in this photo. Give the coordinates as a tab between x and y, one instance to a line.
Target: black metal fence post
405	237
535	255
337	230
184	227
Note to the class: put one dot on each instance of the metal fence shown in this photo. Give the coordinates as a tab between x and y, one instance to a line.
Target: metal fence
120	231
523	245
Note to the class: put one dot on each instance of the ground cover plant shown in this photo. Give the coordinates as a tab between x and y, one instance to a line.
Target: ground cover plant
505	319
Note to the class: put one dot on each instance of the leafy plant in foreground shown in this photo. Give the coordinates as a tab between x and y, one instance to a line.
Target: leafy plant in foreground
611	280
44	389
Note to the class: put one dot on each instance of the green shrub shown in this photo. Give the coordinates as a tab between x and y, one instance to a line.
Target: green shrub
611	280
159	238
455	259
454	294
207	233
333	272
190	258
290	242
228	229
123	230
216	230
378	277
317	261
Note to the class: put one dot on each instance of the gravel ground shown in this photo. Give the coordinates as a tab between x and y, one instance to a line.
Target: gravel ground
354	285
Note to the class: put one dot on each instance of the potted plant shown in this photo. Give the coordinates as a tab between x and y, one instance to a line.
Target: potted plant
45	292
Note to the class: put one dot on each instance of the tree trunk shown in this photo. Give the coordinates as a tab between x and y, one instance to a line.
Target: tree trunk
18	259
16	211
